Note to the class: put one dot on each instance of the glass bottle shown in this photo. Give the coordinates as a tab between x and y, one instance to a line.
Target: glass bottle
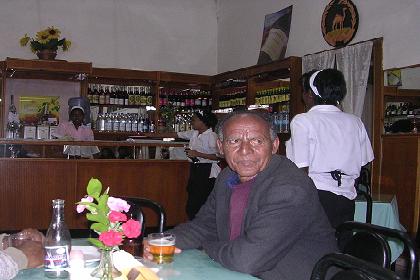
57	244
12	127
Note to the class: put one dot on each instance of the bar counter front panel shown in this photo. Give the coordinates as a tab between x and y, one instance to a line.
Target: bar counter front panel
27	187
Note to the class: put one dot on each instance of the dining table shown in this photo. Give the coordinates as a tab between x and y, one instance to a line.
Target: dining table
189	265
384	213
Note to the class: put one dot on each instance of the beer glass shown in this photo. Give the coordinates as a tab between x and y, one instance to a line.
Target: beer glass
162	247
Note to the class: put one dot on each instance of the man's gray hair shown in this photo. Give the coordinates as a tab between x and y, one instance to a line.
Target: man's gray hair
262	115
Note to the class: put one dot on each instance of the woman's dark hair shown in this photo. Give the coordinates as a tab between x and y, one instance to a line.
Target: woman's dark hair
304	80
207	117
330	84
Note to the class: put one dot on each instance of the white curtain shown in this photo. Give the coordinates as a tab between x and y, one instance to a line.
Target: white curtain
318	61
354	62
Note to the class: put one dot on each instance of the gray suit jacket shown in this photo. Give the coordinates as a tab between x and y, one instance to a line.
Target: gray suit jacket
284	233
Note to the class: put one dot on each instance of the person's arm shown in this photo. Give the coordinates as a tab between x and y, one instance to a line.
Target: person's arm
298	147
8	266
281	218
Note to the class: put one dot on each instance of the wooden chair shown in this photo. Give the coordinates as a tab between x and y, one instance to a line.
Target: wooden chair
362	250
350	268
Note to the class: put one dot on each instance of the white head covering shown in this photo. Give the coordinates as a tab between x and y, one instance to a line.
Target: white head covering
311	83
81	103
77	107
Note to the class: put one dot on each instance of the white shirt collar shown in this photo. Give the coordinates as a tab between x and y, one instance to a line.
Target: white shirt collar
329	108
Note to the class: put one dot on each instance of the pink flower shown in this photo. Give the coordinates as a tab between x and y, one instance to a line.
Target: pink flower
115	216
118	204
131	228
80	208
111	238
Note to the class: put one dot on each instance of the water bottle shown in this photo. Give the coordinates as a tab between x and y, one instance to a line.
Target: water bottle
57	244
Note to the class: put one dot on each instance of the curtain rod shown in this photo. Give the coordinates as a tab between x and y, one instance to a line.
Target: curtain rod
374	39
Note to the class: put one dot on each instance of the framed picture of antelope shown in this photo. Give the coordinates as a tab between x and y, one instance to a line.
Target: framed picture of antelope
340	21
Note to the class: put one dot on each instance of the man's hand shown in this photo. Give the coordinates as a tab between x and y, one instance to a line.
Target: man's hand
146	252
34	251
32	234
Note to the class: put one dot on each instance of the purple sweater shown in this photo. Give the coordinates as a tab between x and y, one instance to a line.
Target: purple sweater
238	202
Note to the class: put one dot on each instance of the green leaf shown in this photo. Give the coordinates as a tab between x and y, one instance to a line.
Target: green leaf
100	218
97	243
102	204
94	188
98	227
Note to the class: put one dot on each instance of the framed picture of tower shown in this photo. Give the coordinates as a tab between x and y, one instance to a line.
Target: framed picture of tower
275	36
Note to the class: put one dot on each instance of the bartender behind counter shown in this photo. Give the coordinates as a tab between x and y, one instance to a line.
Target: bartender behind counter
76	129
202	152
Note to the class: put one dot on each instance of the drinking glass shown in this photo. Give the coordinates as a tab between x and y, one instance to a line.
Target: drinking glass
162	247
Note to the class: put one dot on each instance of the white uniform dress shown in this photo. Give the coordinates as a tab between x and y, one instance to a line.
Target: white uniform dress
204	143
326	139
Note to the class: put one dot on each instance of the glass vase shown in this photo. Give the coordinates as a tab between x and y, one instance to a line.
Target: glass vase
106	269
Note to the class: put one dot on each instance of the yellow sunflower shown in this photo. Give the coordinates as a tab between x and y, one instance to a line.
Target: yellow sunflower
66	45
42	37
24	40
53	32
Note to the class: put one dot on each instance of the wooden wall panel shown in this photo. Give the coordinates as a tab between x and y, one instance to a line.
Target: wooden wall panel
27	187
399	176
162	181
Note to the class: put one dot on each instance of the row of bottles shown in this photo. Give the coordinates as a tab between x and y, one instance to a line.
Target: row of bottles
120	95
281	120
185	98
233	97
124	122
272	95
182	122
399	109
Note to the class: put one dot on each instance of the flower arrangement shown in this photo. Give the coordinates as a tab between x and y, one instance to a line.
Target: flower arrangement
107	214
47	39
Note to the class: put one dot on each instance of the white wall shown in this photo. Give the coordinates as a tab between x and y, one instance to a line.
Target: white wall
167	35
241	22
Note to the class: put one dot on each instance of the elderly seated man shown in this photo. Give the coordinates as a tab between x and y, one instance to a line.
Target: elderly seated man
263	217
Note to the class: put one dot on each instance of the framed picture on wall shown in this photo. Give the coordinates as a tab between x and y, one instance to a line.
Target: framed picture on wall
34	108
275	36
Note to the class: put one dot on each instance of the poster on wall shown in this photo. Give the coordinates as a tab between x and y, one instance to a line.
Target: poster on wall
394	77
275	36
34	108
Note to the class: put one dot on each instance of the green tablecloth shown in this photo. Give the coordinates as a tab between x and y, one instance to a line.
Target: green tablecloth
189	265
384	213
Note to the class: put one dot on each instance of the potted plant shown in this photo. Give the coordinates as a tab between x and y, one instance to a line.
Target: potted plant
46	43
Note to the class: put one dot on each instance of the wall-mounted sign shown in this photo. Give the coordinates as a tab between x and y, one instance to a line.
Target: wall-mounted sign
339	22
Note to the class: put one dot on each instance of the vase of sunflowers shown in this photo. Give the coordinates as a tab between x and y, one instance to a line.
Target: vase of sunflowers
46	43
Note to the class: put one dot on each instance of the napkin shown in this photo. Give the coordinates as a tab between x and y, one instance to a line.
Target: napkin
131	268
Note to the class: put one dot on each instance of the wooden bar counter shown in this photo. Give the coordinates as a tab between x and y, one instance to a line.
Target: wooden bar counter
27	185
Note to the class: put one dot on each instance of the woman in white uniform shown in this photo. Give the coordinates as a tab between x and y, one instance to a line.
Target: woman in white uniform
202	152
329	144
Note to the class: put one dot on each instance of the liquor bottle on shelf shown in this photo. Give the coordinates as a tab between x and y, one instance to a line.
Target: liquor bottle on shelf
107	95
12	127
101	95
57	244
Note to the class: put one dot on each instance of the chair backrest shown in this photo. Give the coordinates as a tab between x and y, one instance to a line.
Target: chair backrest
365	244
138	204
412	267
351	268
369	205
362	183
